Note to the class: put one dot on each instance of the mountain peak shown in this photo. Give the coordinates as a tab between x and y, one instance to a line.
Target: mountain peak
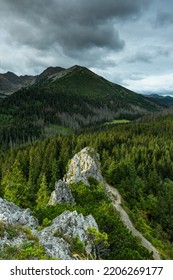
49	71
11	76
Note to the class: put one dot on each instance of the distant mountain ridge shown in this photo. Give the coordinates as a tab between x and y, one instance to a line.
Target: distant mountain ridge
70	98
10	82
162	100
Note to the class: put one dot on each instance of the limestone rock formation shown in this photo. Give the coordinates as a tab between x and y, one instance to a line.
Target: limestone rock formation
55	238
13	215
16	218
61	194
83	165
65	227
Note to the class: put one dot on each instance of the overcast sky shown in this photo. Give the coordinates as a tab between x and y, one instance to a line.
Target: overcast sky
129	42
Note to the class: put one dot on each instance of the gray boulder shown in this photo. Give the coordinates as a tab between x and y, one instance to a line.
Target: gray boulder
62	194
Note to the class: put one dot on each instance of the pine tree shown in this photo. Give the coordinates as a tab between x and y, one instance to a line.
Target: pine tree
15	186
99	242
42	194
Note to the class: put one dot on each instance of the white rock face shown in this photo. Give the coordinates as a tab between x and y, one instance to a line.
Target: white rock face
55	247
14	215
83	165
67	225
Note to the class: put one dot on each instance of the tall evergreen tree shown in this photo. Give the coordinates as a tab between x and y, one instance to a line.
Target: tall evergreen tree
42	194
15	185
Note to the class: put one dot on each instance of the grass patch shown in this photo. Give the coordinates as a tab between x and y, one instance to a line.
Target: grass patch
116	122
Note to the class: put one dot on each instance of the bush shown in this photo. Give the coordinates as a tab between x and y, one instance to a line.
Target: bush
2	229
27	251
77	246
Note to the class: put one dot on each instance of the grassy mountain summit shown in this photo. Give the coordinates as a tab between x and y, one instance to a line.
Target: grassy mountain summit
70	98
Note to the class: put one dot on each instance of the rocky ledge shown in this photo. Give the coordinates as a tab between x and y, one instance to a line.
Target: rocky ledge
13	215
56	238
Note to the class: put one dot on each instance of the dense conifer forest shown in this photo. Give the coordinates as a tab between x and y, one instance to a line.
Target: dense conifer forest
136	158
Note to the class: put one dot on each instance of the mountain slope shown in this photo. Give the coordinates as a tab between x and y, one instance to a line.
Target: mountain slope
72	98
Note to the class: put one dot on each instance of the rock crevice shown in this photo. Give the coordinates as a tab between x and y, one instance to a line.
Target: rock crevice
62	194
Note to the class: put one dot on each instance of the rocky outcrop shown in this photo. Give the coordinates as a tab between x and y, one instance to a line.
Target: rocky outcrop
56	238
13	215
62	194
15	223
84	165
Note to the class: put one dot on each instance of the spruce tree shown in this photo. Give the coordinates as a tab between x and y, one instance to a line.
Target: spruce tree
42	194
15	186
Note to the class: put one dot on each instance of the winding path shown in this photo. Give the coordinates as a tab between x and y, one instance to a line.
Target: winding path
116	201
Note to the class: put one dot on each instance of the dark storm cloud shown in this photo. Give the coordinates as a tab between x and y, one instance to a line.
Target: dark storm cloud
85	37
73	25
114	38
81	11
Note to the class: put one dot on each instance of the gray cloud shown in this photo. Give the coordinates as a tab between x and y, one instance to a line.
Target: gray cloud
116	38
140	57
81	11
152	53
71	24
102	36
164	18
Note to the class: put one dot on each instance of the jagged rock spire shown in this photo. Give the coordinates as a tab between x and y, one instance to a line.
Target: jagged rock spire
84	165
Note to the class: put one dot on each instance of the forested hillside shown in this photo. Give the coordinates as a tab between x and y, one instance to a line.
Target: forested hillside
136	158
62	100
